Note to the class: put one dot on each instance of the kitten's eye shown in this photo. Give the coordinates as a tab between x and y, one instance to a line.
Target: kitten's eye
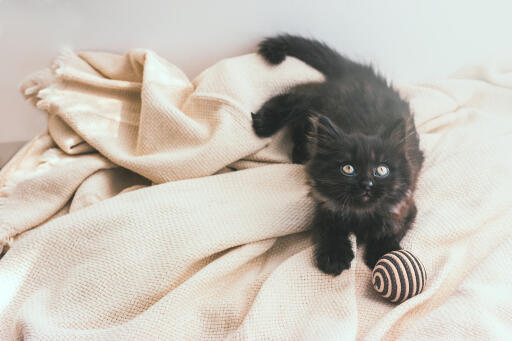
381	171
348	169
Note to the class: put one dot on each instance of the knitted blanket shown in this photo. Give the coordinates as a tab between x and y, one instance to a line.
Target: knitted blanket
150	211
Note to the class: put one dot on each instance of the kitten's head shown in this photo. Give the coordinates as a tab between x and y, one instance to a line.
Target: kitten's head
358	172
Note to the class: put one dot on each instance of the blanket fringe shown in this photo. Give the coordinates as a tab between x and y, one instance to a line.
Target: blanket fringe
37	89
40	85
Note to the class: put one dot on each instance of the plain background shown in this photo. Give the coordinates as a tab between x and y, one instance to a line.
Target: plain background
407	40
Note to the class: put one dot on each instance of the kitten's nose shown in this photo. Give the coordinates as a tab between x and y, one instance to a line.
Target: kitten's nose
367	184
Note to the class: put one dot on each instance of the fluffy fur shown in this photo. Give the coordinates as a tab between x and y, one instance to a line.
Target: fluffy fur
355	119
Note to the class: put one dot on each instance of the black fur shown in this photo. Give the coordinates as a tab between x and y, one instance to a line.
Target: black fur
354	117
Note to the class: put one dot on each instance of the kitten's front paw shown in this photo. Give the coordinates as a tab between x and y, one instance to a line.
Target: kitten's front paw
333	263
371	258
375	251
262	123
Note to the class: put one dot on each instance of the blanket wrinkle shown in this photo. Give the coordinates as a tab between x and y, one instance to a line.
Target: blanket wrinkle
150	210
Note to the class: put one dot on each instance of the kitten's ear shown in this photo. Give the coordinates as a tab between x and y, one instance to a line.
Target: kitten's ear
396	132
322	132
322	126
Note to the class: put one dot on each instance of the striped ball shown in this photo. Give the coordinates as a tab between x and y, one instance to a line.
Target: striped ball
399	275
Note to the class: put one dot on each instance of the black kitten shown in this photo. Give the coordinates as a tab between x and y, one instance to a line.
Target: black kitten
361	147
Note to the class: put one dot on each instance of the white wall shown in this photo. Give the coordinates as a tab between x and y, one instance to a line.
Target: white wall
409	40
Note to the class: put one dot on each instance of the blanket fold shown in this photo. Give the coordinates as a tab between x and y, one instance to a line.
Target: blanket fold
150	211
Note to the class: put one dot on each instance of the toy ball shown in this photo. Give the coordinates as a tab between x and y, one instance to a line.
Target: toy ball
398	276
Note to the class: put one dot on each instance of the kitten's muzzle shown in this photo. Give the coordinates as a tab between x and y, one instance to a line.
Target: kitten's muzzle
367	184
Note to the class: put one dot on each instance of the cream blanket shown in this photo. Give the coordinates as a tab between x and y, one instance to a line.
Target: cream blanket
150	211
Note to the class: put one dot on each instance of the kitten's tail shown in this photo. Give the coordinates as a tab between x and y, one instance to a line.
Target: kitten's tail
312	52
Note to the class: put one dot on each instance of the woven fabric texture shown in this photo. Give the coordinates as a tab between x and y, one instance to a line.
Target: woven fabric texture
150	211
